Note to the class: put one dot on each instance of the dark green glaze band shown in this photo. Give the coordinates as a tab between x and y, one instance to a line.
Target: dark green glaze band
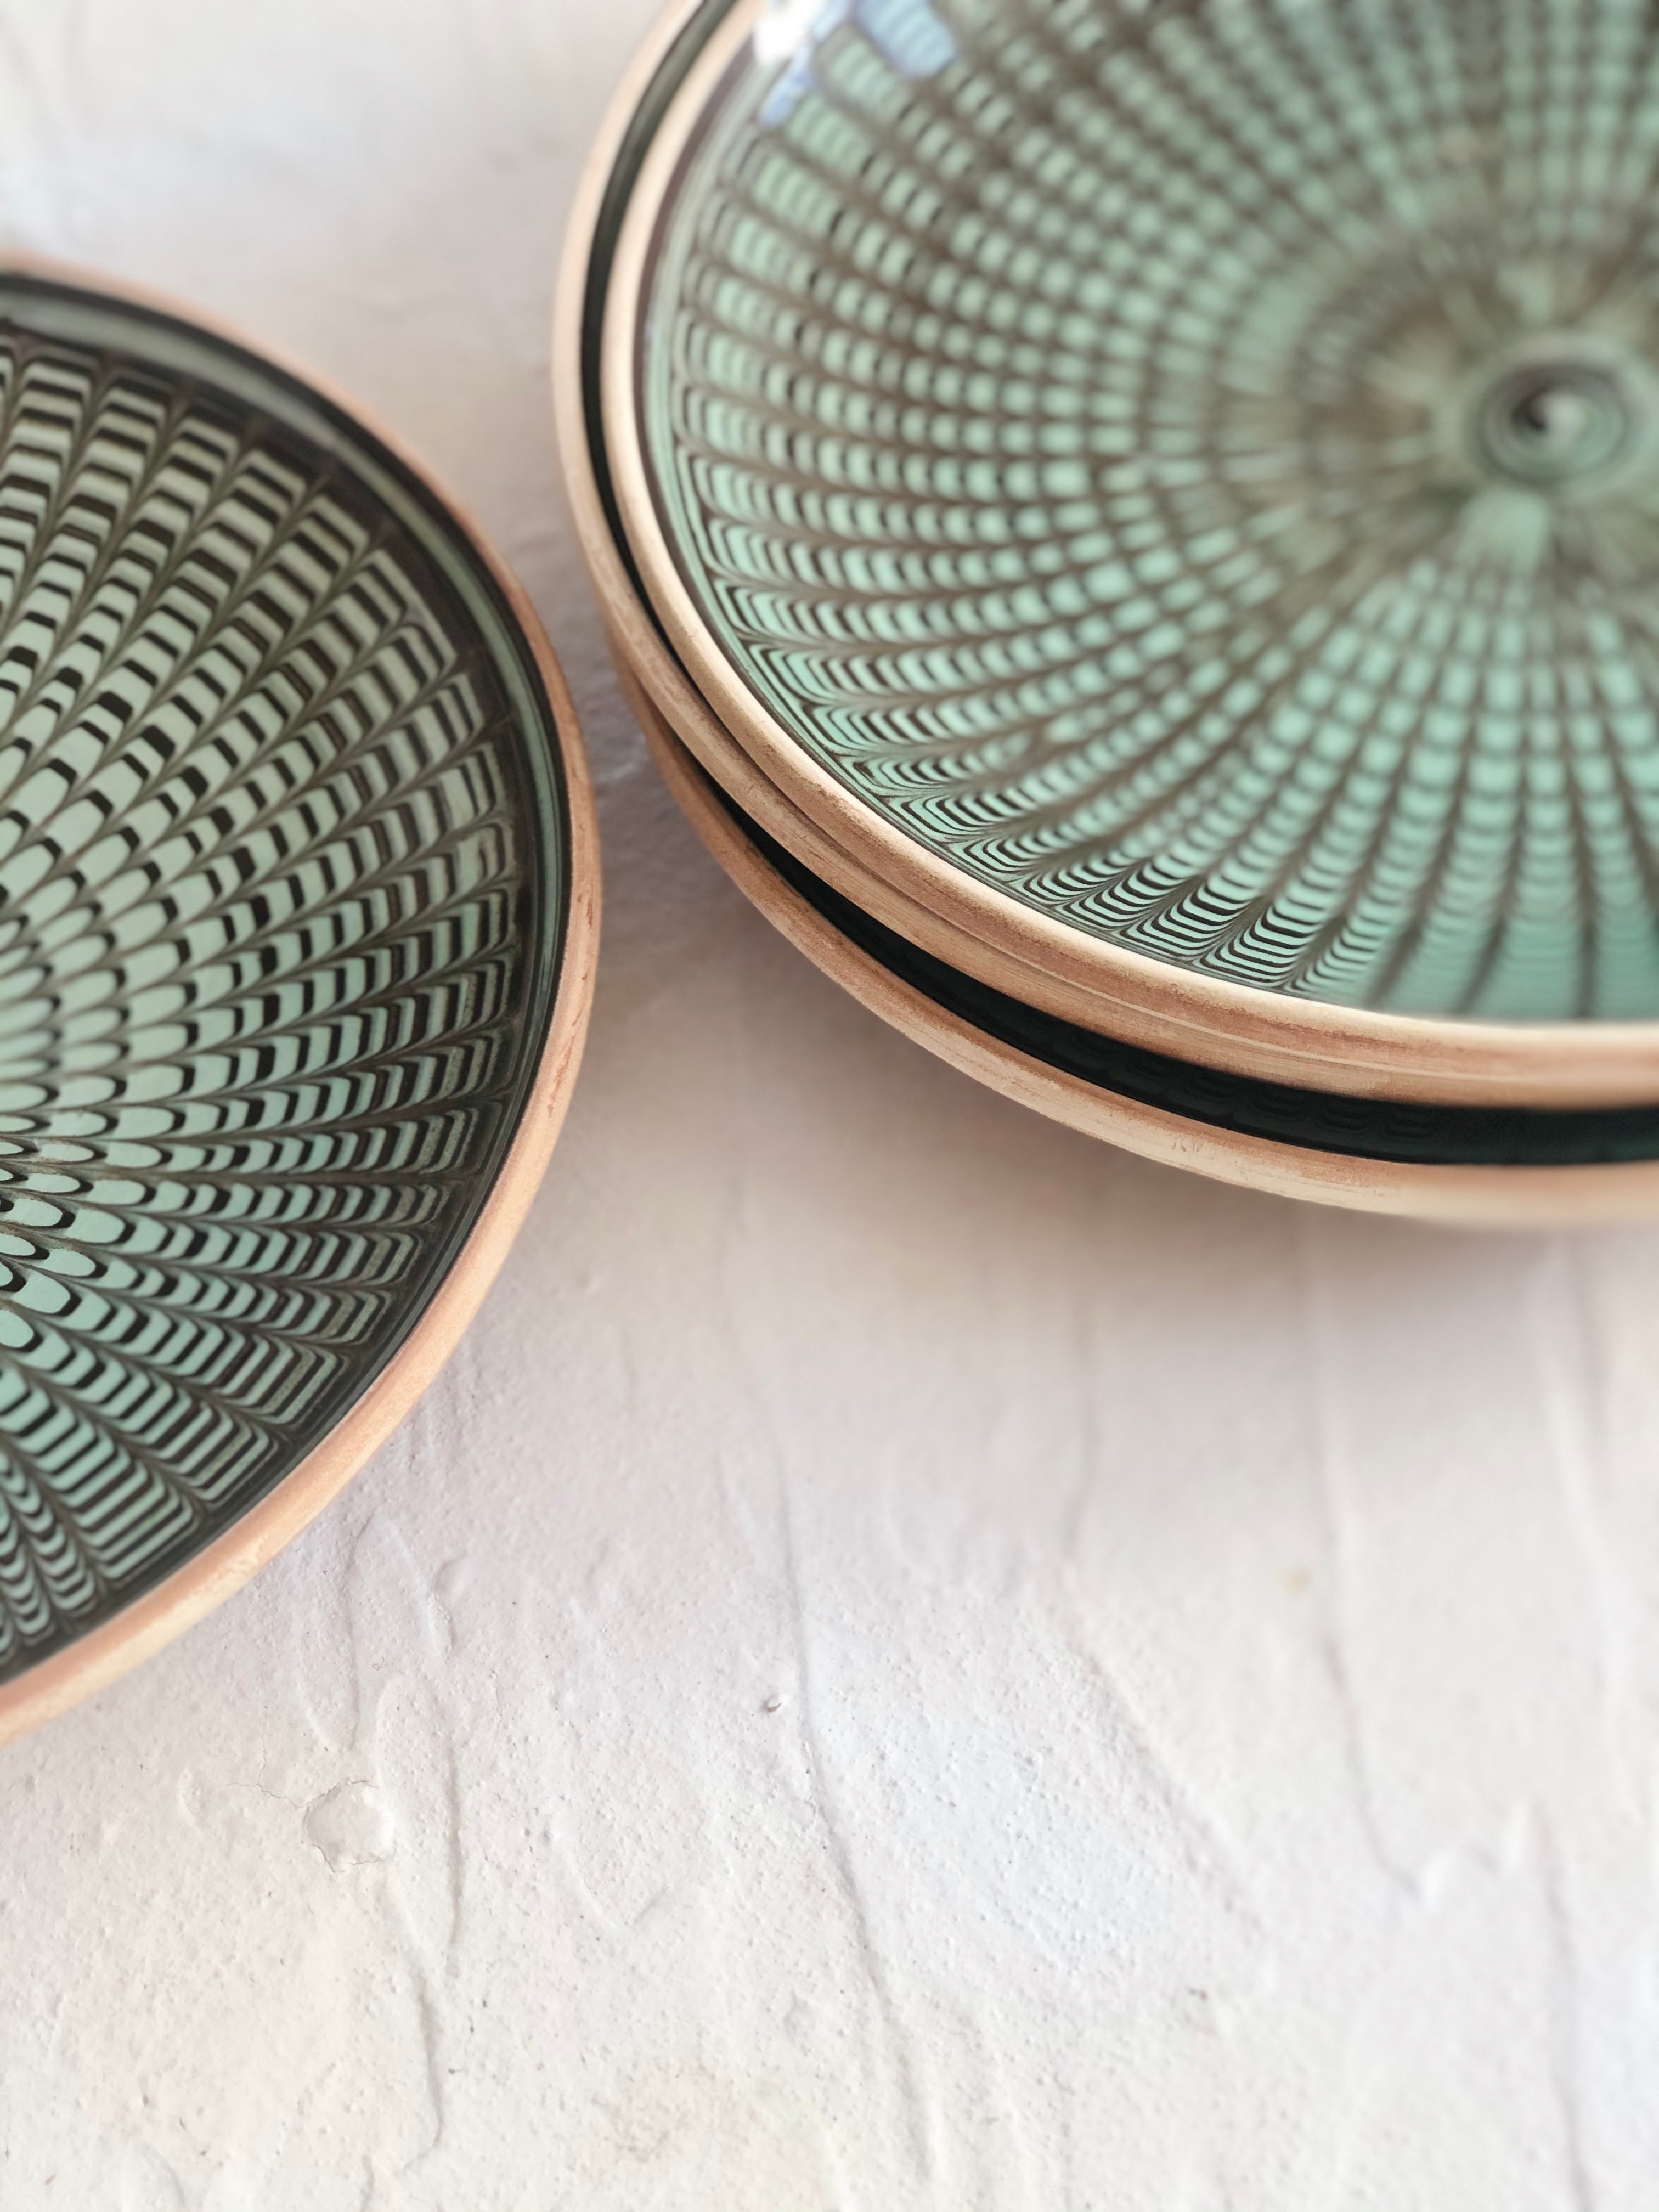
688	44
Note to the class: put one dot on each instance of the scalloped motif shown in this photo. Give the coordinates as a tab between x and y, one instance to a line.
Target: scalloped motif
273	924
1196	467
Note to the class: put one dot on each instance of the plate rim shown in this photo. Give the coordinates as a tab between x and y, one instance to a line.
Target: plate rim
1240	1028
1482	1197
187	1593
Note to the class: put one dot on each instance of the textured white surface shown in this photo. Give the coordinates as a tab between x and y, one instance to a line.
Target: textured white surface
909	1662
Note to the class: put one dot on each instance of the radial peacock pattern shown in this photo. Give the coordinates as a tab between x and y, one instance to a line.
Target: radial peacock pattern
278	881
1195	465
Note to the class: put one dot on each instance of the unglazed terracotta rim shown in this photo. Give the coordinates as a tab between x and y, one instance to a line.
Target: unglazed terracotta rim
1471	1197
219	1568
1128	995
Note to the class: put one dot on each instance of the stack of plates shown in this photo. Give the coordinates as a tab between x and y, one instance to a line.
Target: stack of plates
1133	530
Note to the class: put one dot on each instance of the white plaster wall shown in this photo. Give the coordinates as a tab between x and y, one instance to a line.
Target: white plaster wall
910	1663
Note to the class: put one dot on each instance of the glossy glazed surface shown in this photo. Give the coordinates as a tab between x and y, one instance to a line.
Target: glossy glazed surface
1196	470
282	882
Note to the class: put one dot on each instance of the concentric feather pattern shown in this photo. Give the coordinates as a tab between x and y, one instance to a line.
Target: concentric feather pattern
1194	465
280	899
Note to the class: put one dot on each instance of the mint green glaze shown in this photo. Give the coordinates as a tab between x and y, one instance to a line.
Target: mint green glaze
282	888
1196	467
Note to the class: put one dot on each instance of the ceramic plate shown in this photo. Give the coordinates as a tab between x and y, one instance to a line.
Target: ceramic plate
1173	1014
1179	488
297	902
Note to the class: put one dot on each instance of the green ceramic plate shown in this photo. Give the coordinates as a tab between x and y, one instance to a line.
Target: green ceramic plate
294	930
1607	1149
1192	469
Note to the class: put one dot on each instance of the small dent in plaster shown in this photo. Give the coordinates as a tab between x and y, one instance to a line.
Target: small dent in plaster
772	1706
452	1580
1206	2013
352	1826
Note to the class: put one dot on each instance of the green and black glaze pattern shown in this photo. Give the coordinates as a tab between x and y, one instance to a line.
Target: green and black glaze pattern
1195	467
282	892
